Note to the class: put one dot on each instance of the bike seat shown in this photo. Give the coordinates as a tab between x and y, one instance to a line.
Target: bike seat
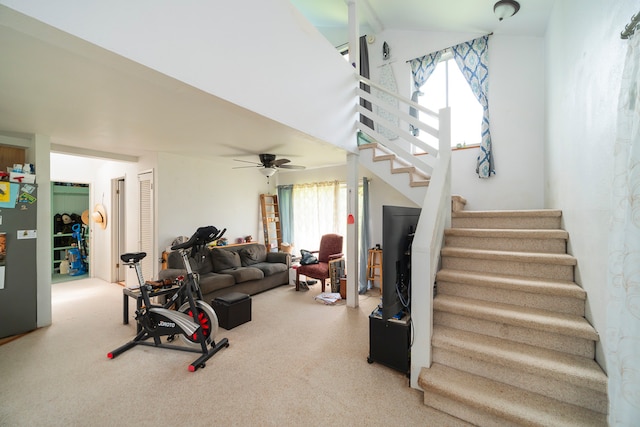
132	257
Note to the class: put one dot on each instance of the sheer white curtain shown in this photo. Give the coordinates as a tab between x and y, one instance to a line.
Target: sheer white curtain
623	313
318	208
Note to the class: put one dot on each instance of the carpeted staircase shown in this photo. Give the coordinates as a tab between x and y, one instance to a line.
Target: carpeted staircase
510	342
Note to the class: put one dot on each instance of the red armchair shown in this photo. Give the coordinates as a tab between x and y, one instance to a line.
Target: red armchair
330	249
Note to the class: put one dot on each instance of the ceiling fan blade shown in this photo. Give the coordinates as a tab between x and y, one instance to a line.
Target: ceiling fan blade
244	167
292	167
280	162
246	161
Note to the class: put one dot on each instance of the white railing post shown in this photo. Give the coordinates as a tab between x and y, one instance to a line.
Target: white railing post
425	253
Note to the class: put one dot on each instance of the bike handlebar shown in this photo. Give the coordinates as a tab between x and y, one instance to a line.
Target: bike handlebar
200	237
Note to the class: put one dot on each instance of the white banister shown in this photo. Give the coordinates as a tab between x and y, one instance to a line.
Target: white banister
436	207
425	255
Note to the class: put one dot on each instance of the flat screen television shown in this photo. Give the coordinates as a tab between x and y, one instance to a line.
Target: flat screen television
398	224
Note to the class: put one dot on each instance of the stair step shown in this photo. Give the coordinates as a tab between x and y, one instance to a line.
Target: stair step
579	371
417	178
539	240
485	402
563	324
526	264
560	288
551	387
559	296
526	219
577	346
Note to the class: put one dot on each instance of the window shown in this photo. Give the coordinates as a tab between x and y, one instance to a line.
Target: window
447	87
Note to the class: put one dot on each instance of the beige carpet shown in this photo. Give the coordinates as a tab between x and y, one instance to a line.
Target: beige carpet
297	362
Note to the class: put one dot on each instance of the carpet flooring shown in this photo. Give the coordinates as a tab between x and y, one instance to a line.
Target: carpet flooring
297	362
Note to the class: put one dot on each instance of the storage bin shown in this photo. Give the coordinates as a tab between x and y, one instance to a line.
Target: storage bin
232	309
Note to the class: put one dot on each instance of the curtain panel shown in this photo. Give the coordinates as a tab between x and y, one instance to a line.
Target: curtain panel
365	238
472	58
421	70
286	213
319	208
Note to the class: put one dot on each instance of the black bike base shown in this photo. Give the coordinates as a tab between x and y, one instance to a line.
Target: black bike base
198	363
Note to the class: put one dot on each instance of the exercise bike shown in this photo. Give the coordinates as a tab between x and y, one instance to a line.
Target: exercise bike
194	321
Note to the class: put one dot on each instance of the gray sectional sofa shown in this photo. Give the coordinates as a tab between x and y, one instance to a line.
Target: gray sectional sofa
247	268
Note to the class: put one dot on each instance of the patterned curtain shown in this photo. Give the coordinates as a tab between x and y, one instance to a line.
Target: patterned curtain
623	312
421	69
472	58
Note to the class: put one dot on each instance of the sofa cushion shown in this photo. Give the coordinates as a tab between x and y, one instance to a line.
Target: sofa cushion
269	268
211	282
201	262
224	260
253	254
244	274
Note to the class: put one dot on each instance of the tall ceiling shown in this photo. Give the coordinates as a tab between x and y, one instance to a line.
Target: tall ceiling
87	98
470	16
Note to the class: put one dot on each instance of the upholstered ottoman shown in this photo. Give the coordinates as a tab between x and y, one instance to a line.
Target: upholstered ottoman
232	309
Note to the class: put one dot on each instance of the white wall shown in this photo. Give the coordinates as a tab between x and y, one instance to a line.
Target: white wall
245	52
516	108
585	58
195	192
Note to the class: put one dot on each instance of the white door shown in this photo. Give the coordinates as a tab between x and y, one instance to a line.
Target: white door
118	229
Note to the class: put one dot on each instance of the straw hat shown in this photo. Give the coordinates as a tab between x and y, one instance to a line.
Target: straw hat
85	217
99	216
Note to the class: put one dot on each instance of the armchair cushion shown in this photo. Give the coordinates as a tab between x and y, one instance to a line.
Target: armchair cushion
318	271
224	260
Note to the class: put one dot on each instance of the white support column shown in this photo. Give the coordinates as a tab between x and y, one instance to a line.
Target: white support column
353	261
40	156
354	35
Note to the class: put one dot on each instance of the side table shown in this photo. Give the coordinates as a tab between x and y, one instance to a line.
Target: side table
135	293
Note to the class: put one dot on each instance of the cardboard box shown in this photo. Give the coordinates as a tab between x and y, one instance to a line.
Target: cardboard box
22	177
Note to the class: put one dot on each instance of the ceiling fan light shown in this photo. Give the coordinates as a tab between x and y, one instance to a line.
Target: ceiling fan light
506	9
268	171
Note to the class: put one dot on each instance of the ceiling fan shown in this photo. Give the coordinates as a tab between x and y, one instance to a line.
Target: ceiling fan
269	164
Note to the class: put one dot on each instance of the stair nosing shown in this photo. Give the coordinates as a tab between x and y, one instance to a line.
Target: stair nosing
555	213
516	256
512	233
554	287
548	321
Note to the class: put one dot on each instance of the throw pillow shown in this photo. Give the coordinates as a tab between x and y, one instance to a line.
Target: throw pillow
201	262
224	259
307	257
253	255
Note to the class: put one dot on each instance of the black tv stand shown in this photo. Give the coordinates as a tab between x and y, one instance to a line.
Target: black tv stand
389	341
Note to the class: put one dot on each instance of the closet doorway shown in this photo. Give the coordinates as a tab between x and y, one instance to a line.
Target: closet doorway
70	240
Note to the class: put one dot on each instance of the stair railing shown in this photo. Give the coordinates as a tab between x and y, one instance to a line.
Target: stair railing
436	209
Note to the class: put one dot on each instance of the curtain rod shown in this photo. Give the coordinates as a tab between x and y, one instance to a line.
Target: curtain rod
446	48
630	28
